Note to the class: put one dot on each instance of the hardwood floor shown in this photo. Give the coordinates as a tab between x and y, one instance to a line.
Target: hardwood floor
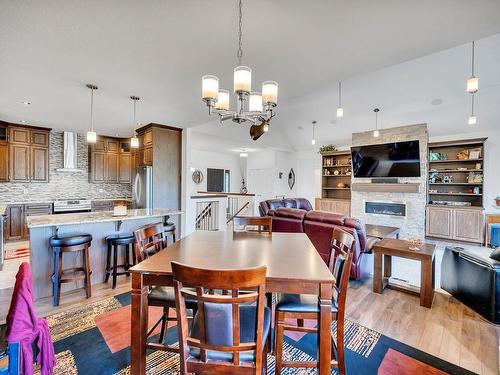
449	330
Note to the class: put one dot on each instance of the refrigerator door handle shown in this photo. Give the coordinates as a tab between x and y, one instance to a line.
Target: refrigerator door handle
137	189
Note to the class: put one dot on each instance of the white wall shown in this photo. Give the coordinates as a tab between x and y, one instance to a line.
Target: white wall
201	160
263	174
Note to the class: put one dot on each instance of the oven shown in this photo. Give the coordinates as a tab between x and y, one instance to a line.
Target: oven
72	206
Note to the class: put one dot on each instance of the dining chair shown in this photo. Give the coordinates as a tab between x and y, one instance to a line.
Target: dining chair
149	240
264	224
302	306
229	330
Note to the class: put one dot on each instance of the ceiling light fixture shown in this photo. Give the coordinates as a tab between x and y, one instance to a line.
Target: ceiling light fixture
472	117
134	141
23	121
91	134
473	81
26	103
243	154
340	110
376	132
313	140
252	107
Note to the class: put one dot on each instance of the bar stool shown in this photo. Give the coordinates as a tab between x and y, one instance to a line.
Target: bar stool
70	243
169	230
114	241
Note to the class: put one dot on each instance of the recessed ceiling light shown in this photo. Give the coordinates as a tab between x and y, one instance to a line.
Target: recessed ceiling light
23	121
26	103
437	102
300	127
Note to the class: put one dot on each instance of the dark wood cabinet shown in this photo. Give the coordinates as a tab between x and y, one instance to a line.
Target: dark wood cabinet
97	166
39	162
14	222
4	161
125	165
28	155
19	160
110	161
112	167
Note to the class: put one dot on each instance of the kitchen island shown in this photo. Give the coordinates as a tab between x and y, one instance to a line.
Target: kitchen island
98	224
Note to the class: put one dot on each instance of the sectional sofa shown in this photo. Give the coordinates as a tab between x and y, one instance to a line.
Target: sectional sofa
296	215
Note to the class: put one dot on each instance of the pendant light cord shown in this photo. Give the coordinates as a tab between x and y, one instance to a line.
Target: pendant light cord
472	105
92	109
473	57
340	94
376	110
239	54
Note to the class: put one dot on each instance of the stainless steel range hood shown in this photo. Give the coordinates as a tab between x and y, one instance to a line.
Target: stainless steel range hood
70	158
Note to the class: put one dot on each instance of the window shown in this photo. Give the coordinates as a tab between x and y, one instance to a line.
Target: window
218	180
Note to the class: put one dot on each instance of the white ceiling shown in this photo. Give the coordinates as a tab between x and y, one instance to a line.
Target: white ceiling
159	49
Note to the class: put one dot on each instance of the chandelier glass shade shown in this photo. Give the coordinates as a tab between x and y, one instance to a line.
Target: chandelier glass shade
91	137
255	108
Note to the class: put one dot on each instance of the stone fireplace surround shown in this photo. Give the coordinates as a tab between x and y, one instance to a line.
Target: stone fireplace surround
413	224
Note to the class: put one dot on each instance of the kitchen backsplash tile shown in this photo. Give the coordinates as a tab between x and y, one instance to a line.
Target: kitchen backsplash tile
63	185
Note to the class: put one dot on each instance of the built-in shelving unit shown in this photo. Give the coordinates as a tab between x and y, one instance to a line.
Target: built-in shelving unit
335	182
455	190
457	178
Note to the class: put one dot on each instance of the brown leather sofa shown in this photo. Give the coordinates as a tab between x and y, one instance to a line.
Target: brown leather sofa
296	215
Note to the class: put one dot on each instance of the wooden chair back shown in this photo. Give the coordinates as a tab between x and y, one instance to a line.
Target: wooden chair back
149	239
200	284
263	223
340	264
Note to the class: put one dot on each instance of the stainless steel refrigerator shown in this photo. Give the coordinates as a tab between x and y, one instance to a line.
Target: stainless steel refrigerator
142	188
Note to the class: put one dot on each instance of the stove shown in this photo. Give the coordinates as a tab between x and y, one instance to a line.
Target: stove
72	205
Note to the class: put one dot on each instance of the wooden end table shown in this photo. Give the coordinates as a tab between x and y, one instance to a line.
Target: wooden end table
389	247
381	231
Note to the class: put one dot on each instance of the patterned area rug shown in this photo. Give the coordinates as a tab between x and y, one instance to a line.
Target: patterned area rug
17	253
95	339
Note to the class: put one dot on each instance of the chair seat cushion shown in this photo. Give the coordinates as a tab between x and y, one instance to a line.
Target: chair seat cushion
326	217
304	303
169	227
72	239
293	213
121	238
166	295
219	330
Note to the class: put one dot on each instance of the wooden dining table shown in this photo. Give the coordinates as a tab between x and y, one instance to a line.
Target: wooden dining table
293	266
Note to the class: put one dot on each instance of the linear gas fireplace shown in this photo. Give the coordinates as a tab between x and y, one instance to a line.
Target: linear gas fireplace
383	208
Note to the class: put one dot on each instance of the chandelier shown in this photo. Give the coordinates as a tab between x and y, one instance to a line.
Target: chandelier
252	107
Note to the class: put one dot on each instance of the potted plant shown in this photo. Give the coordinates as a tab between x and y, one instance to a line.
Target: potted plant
327	148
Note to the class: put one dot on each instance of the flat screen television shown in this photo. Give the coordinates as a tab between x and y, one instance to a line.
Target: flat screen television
396	159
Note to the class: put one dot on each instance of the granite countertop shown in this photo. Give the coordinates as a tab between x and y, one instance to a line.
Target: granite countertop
95	217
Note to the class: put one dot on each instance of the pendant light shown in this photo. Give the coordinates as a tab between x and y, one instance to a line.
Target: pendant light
376	132
91	134
472	117
473	81
340	110
313	140
134	141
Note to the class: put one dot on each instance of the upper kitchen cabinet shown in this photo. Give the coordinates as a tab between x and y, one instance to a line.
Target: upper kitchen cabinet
24	153
110	161
4	154
160	146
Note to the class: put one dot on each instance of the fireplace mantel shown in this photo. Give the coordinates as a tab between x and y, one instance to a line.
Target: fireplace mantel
412	187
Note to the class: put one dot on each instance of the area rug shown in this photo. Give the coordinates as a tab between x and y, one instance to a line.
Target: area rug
95	339
17	253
